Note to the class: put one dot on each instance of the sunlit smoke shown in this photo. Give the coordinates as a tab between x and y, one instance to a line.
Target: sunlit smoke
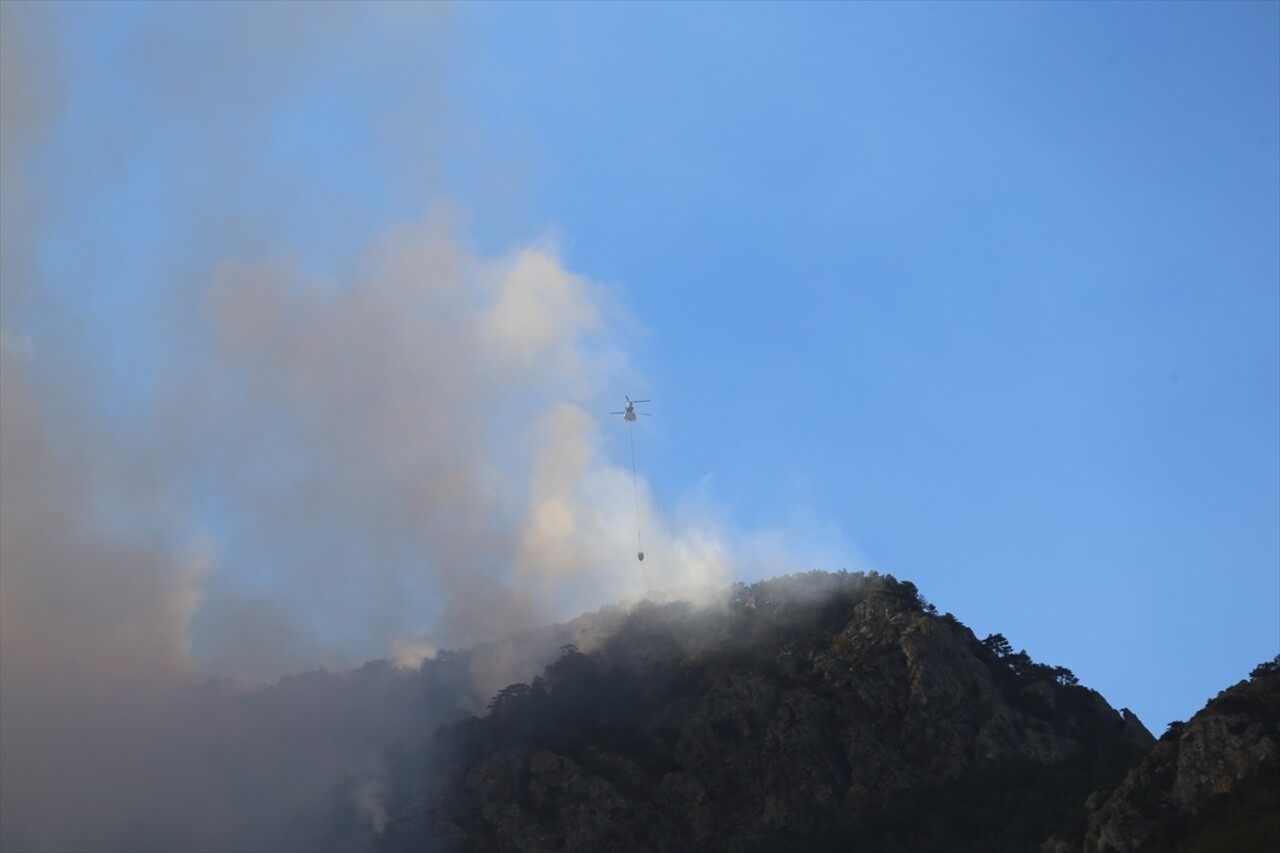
422	440
337	437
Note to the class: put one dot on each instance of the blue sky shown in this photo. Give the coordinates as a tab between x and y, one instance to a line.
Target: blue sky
986	296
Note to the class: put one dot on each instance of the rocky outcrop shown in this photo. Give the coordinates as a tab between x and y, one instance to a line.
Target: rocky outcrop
809	712
1211	783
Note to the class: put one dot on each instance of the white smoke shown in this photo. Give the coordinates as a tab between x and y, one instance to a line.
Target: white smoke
434	424
400	453
367	798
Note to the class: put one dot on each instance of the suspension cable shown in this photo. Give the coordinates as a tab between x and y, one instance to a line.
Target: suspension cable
635	488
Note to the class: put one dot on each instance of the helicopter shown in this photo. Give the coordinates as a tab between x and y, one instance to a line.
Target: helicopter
629	414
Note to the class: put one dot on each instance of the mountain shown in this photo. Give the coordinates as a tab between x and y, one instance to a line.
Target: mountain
809	712
1212	783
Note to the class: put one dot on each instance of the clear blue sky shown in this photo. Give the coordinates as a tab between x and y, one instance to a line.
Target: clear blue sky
986	296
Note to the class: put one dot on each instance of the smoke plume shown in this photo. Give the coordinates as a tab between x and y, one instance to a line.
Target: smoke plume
280	434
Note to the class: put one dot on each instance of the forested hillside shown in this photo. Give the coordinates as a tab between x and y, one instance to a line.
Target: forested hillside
813	711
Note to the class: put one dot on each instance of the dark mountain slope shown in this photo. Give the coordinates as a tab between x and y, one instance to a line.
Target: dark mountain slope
1210	784
808	712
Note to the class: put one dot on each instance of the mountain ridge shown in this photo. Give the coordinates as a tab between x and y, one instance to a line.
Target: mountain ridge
805	712
808	712
1211	783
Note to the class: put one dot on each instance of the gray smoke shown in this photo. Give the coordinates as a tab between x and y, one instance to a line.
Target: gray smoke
302	463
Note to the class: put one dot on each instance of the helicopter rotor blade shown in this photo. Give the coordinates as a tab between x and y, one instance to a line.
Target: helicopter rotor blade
641	401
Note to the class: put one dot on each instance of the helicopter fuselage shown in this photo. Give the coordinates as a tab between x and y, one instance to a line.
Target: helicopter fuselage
629	413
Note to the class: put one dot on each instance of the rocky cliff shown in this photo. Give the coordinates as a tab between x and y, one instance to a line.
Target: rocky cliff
1212	783
808	712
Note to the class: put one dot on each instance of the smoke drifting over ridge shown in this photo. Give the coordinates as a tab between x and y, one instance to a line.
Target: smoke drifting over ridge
249	428
423	439
411	444
409	451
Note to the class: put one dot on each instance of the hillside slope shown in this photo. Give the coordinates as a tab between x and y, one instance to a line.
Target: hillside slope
1212	783
809	712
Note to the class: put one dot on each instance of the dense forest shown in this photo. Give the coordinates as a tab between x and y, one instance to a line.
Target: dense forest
808	712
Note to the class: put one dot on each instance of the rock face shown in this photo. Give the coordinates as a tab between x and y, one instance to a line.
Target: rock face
808	712
1212	783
